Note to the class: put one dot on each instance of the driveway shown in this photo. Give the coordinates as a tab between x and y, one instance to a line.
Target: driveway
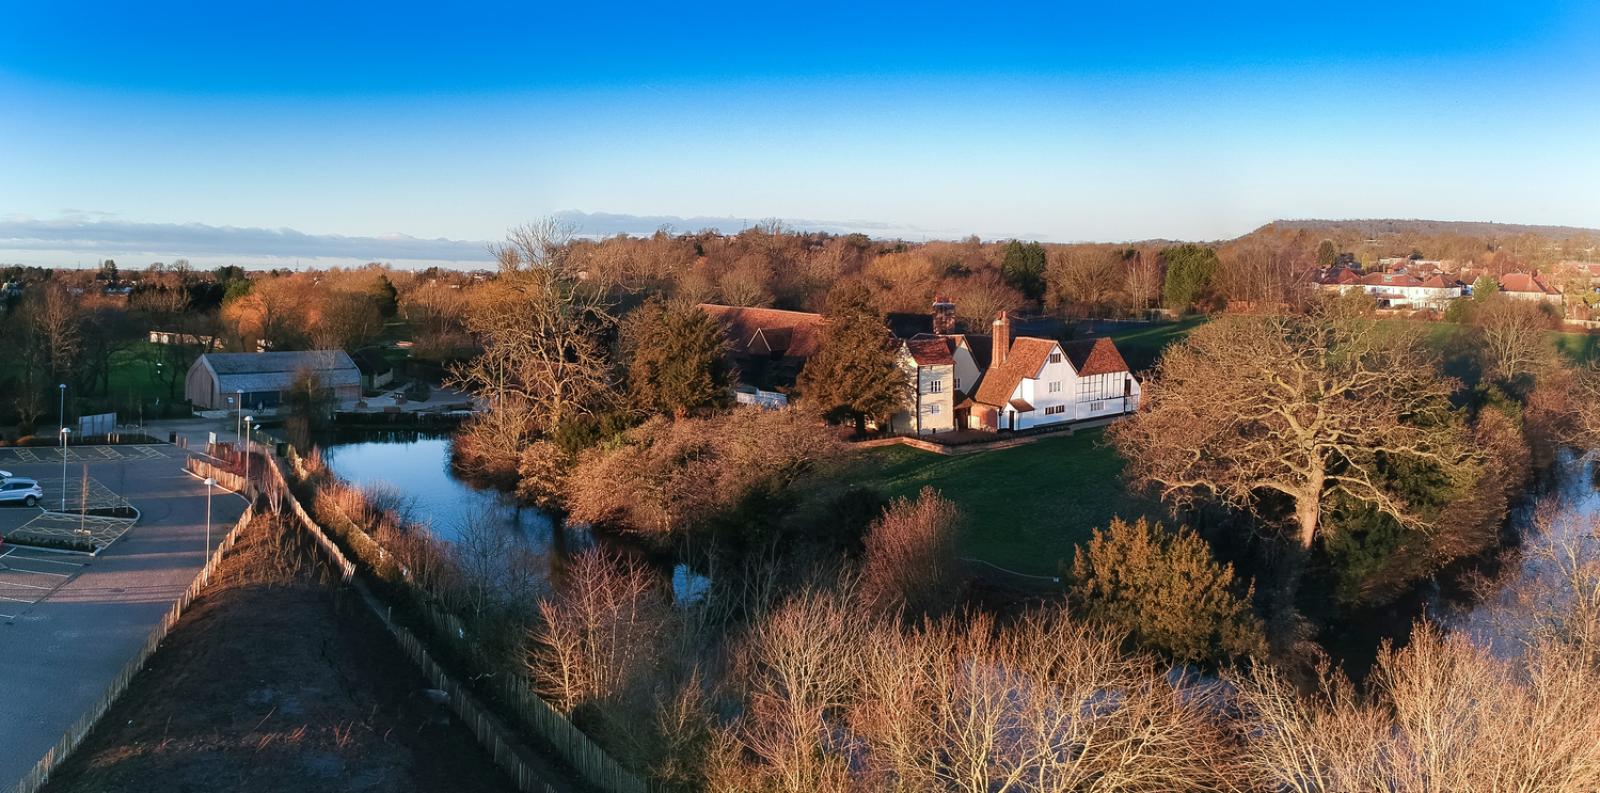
68	623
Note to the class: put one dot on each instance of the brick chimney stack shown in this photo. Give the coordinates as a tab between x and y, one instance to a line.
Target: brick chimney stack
944	316
1001	334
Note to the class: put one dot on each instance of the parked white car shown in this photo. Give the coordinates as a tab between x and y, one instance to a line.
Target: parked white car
19	490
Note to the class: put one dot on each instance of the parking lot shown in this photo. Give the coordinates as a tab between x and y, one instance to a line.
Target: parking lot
28	576
69	622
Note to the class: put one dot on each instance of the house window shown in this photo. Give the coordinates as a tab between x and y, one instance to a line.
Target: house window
1055	386
1054	409
1097	406
935	386
1055	357
958	384
933	409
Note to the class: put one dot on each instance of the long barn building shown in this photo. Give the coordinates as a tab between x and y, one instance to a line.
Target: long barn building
218	380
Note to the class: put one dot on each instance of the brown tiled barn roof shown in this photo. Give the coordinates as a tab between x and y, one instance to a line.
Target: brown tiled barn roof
793	334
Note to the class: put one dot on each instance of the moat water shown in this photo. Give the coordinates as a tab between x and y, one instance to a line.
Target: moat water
417	466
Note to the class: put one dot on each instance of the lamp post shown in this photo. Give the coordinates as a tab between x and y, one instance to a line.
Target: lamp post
64	433
246	447
61	408
238	413
209	483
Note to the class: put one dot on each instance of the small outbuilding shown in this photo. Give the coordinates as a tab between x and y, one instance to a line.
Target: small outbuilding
218	380
376	370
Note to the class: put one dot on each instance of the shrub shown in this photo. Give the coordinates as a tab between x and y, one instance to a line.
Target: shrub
910	555
1166	591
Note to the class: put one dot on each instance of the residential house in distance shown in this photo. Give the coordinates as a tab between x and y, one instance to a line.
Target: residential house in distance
769	346
1529	286
261	378
1398	290
1035	382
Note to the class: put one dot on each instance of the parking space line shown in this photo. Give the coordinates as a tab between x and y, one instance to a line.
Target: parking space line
18	600
49	561
36	572
29	586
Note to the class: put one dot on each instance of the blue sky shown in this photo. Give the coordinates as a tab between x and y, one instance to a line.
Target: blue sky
273	132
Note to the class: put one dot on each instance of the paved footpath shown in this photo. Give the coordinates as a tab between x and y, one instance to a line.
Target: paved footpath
68	623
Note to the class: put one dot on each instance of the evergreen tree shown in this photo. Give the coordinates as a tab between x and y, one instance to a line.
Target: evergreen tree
1165	589
856	369
676	358
1327	254
1023	268
1190	269
386	297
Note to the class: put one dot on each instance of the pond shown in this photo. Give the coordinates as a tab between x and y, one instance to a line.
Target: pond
417	466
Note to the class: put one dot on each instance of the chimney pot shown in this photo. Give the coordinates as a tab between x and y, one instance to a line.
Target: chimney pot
944	316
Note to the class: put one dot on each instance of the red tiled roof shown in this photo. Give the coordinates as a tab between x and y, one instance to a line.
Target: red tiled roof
1026	358
1343	276
1020	405
930	351
1526	282
793	334
1099	356
1391	279
1028	355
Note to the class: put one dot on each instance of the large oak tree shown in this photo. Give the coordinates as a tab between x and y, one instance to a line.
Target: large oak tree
1308	407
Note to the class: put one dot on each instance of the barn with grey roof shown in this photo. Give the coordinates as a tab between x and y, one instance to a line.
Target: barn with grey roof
217	379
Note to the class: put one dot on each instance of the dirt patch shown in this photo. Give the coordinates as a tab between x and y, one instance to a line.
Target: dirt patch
272	683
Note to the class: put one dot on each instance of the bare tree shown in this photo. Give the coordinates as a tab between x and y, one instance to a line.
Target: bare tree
1444	715
1142	280
1307	407
600	633
1083	278
910	555
543	326
1513	337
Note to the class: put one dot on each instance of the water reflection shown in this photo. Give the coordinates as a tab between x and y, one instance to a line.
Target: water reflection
417	466
1565	518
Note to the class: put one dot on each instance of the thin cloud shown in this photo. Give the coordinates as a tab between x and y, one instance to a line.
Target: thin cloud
607	224
198	240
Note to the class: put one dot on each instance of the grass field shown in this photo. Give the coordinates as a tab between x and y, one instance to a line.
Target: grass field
1026	507
1140	348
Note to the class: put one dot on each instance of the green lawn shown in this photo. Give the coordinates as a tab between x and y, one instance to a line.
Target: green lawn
1577	348
1026	507
1140	348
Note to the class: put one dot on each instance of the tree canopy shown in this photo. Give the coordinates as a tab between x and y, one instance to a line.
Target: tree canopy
1164	589
1023	266
676	359
1303	407
856	369
1190	270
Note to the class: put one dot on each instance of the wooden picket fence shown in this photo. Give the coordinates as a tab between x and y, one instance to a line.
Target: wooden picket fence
225	479
80	729
528	709
346	568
